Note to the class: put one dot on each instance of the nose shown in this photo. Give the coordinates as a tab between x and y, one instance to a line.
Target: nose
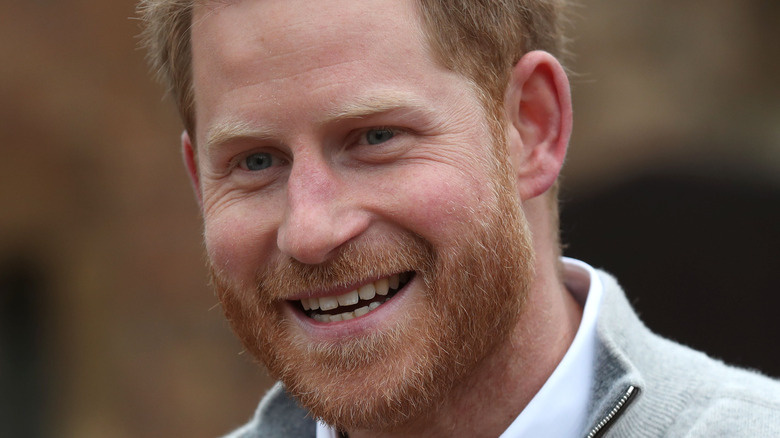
320	213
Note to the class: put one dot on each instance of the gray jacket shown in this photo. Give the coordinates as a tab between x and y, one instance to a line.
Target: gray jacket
646	386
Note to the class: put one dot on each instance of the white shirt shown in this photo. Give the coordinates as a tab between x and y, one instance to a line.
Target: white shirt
560	407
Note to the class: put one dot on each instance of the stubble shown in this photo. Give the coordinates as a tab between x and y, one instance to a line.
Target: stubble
471	297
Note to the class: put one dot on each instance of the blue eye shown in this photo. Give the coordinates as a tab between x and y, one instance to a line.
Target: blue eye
258	161
377	136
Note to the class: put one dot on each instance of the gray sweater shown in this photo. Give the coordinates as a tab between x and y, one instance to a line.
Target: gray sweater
646	386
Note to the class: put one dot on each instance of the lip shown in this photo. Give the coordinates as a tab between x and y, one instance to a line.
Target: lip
383	315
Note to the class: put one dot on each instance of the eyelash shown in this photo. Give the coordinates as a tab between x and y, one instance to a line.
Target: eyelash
239	162
363	134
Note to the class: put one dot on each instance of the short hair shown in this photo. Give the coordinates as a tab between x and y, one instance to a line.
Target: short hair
483	39
480	39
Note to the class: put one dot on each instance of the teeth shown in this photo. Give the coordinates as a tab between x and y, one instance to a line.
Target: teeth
367	292
382	286
393	282
346	316
328	303
348	299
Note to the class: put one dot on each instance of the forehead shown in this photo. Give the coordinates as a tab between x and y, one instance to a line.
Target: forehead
319	18
278	37
262	59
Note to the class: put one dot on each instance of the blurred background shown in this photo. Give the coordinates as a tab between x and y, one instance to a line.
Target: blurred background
107	326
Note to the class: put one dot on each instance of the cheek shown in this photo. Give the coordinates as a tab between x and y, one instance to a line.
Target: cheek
436	204
238	241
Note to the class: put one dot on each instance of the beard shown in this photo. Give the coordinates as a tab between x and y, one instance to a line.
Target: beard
469	297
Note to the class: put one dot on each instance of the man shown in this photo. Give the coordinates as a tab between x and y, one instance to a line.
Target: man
377	181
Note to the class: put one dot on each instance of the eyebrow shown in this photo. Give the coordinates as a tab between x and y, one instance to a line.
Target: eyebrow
363	107
228	130
359	108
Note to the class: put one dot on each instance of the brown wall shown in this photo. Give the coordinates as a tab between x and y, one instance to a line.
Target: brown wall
109	327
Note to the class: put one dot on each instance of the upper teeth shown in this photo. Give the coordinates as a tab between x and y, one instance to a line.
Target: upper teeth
366	292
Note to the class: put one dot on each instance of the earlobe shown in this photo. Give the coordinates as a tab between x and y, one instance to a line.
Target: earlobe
191	164
538	107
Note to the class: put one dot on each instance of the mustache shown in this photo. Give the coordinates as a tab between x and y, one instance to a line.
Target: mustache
355	261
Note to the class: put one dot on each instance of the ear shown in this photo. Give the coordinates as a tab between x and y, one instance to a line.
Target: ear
191	163
538	106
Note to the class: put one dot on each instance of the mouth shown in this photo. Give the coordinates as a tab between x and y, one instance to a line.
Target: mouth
355	303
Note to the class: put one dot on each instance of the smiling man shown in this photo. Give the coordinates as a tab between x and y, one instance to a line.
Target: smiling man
377	181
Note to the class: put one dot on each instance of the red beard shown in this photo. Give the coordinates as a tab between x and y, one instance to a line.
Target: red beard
472	296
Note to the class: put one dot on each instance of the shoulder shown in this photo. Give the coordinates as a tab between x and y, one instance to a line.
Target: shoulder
741	406
682	392
278	415
727	401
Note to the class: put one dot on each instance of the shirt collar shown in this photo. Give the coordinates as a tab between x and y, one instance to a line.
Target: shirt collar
559	409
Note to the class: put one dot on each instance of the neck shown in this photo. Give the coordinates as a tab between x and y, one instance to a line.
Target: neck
487	401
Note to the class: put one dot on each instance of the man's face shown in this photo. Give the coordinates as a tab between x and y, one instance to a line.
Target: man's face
341	168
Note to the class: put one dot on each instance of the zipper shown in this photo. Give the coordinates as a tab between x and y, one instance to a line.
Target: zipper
615	412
